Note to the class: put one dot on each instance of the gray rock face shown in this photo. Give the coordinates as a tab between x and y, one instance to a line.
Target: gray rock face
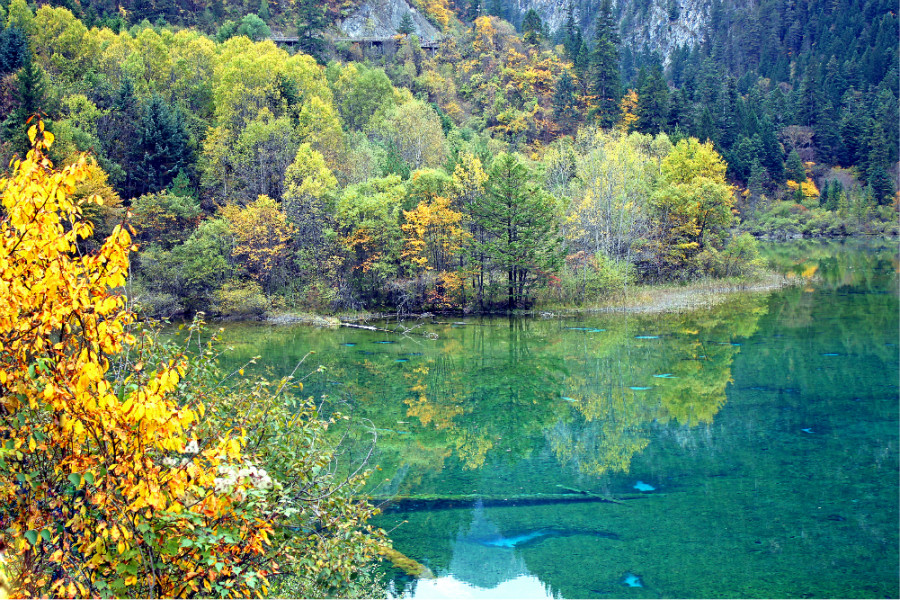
381	18
652	26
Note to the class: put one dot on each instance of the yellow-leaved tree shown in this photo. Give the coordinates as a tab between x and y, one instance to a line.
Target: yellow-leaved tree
124	471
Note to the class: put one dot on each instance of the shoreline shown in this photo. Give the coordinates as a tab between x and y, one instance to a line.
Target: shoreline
641	299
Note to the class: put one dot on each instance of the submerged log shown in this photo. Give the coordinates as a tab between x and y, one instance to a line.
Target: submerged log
370	328
406	564
440	502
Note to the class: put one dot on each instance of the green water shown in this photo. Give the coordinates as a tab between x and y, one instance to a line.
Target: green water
754	446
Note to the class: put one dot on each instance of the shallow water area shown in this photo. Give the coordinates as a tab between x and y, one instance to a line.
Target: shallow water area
748	450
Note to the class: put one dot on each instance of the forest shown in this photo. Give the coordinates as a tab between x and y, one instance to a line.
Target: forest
509	168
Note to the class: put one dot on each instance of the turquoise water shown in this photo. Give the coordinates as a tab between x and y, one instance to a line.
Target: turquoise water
752	449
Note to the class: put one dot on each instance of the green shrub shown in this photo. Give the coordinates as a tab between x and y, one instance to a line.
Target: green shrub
587	278
243	299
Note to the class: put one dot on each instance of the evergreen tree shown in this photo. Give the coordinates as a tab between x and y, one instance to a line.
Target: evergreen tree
771	153
521	226
263	11
406	27
163	149
311	23
572	33
495	8
810	97
565	103
30	96
13	50
729	125
532	27
473	11
879	180
653	102
793	167
606	86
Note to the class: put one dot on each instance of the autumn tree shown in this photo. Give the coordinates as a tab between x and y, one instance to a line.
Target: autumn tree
262	235
692	207
414	129
108	481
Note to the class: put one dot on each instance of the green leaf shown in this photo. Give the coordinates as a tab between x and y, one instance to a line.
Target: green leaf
75	478
45	533
31	535
89	477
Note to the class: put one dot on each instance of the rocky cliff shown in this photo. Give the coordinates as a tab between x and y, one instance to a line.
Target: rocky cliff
661	25
381	19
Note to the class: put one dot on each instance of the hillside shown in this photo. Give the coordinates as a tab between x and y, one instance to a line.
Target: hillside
354	168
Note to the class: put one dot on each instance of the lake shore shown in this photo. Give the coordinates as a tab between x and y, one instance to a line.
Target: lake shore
638	299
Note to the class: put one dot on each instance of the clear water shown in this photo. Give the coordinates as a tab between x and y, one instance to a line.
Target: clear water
753	446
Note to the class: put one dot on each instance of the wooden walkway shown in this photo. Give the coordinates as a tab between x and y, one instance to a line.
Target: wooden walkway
375	42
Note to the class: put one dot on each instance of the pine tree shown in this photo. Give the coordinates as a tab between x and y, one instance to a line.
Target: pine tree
13	50
30	97
473	11
565	103
532	27
406	27
729	125
606	86
311	23
572	33
163	149
793	167
653	102
877	167
771	153
521	225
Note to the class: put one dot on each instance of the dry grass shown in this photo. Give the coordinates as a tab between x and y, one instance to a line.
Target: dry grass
668	298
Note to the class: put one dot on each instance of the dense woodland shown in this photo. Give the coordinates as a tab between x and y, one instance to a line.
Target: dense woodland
511	167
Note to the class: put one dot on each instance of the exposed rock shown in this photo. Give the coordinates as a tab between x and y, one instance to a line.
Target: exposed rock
652	26
381	19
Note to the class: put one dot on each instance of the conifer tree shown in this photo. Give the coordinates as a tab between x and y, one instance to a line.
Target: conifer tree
521	226
163	149
30	95
13	50
879	180
311	23
653	102
606	86
406	27
565	102
572	33
794	169
532	27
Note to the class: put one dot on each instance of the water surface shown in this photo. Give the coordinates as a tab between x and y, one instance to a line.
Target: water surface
753	447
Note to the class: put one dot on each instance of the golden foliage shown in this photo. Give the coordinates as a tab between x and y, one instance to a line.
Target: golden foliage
101	475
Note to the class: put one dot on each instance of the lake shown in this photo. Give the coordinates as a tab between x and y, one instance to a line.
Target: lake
745	450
